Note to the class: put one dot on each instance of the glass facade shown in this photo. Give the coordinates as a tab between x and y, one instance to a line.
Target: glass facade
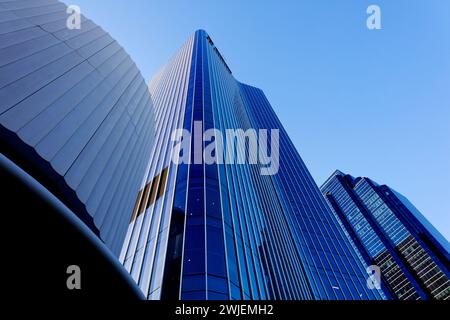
413	258
75	113
221	230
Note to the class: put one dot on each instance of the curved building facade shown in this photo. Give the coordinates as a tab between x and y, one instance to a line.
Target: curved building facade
75	113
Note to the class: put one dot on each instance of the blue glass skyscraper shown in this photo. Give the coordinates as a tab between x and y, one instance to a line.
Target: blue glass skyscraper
412	256
222	230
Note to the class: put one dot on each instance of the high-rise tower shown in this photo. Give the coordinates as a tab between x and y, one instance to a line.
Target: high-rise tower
220	230
412	256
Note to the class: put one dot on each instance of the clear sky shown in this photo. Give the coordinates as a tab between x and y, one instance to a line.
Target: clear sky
370	103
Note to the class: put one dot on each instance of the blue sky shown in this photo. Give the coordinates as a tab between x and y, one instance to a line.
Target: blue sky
370	103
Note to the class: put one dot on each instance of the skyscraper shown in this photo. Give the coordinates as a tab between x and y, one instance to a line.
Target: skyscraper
75	113
412	256
257	229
